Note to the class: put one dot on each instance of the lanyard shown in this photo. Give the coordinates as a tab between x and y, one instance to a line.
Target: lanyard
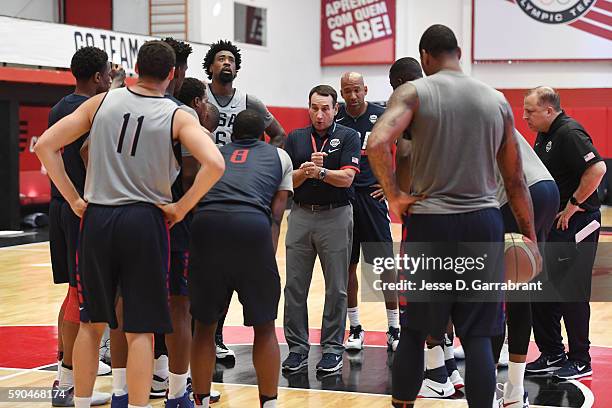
314	144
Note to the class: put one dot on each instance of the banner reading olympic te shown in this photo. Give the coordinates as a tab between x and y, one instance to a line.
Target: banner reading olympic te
357	32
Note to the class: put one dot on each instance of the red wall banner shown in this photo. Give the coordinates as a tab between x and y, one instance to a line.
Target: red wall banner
357	32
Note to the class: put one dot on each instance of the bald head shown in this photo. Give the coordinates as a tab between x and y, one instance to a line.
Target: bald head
354	91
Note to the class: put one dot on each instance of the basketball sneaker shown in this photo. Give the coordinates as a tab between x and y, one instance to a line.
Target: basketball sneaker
119	401
546	363
451	364
222	351
393	336
183	402
330	363
514	397
103	368
64	396
295	361
159	387
572	370
215	396
434	389
355	338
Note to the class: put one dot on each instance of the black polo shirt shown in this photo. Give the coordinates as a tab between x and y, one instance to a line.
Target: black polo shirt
342	145
567	151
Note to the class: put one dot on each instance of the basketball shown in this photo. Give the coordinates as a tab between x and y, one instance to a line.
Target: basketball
519	260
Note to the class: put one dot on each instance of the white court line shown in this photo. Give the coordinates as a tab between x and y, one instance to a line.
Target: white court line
26	371
589	398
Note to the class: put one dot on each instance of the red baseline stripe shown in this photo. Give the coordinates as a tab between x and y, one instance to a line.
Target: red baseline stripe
593	29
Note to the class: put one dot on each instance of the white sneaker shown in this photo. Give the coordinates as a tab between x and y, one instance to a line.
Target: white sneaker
222	351
504	355
215	396
514	397
100	398
459	353
159	386
355	339
456	379
433	389
103	368
393	337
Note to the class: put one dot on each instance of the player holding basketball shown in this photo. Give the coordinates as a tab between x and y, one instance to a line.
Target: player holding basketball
545	197
243	210
461	130
124	236
91	70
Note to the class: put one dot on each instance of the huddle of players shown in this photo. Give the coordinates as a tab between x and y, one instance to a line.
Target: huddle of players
136	212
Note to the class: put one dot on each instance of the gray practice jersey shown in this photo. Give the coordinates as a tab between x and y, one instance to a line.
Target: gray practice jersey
229	107
456	134
130	150
534	169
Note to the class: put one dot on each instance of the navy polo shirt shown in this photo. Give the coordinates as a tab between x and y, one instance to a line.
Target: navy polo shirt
363	124
343	148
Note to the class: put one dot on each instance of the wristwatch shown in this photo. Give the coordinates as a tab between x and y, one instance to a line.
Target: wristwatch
574	201
322	173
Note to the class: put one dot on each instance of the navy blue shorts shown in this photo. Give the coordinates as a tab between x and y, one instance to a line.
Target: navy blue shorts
469	318
64	227
545	198
179	265
125	247
371	223
232	251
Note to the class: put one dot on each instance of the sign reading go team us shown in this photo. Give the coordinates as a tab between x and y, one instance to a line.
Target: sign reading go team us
357	32
542	30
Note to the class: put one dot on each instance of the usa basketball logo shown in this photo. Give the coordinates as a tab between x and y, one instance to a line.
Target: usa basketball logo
555	11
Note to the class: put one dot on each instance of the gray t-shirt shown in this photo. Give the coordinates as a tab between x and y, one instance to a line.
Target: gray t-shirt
456	134
534	169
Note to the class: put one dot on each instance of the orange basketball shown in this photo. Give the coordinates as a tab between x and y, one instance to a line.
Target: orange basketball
519	260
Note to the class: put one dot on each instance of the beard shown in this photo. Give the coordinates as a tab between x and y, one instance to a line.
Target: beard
226	77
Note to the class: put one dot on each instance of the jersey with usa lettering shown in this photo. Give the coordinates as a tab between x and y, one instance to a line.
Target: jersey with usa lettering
363	125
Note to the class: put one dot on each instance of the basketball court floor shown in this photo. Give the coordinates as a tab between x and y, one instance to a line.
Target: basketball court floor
29	304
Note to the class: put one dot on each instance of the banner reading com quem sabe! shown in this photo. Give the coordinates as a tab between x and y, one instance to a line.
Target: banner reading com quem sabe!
357	32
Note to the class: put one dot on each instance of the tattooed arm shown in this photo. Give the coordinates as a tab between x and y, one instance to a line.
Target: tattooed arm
402	106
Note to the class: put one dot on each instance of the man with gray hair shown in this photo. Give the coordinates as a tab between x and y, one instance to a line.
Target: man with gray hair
567	151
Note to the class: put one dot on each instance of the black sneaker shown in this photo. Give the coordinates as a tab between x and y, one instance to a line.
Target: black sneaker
573	369
295	361
393	336
546	363
330	362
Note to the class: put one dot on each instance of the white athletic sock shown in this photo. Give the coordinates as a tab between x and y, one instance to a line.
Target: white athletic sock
82	402
449	352
434	357
204	404
58	373
160	367
119	382
269	404
66	377
393	317
516	373
177	385
353	316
